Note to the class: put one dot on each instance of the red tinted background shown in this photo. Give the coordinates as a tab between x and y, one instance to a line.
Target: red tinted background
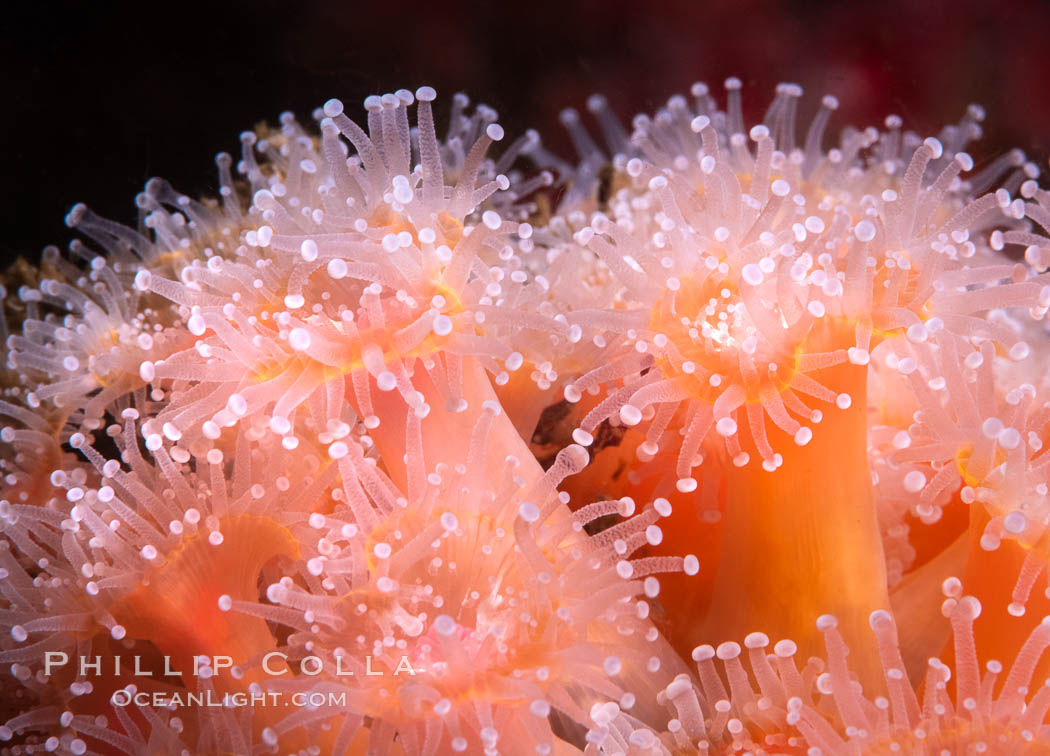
98	100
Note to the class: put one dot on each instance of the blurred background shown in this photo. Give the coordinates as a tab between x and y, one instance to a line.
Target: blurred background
100	97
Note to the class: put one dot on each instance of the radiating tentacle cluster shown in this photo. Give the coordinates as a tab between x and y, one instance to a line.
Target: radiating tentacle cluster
449	451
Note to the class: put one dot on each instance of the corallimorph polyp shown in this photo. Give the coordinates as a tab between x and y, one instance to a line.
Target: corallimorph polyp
409	444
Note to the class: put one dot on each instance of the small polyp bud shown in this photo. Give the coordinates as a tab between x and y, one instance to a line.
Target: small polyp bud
752	274
935	147
726	426
1019	351
858	356
686	485
758	132
337	268
1015	522
402	190
651	587
826	622
917	333
529	512
992	427
491	219
442	325
1009	439
728	650
333	108
756	640
143	278
630	415
299	339
582	437
914	481
699	123
237	405
703	653
864	231
540	708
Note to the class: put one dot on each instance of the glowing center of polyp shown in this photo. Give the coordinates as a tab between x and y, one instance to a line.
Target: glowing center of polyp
705	338
436	650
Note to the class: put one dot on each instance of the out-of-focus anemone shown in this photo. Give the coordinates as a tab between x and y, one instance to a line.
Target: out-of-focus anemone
88	358
761	702
134	730
486	606
32	452
973	451
139	560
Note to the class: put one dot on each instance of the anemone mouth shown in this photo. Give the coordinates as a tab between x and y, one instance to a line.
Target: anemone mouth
387	221
177	602
710	343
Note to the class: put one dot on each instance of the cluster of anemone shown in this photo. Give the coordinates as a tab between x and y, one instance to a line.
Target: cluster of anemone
471	448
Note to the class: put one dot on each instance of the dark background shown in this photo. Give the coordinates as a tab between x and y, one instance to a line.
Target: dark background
98	99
